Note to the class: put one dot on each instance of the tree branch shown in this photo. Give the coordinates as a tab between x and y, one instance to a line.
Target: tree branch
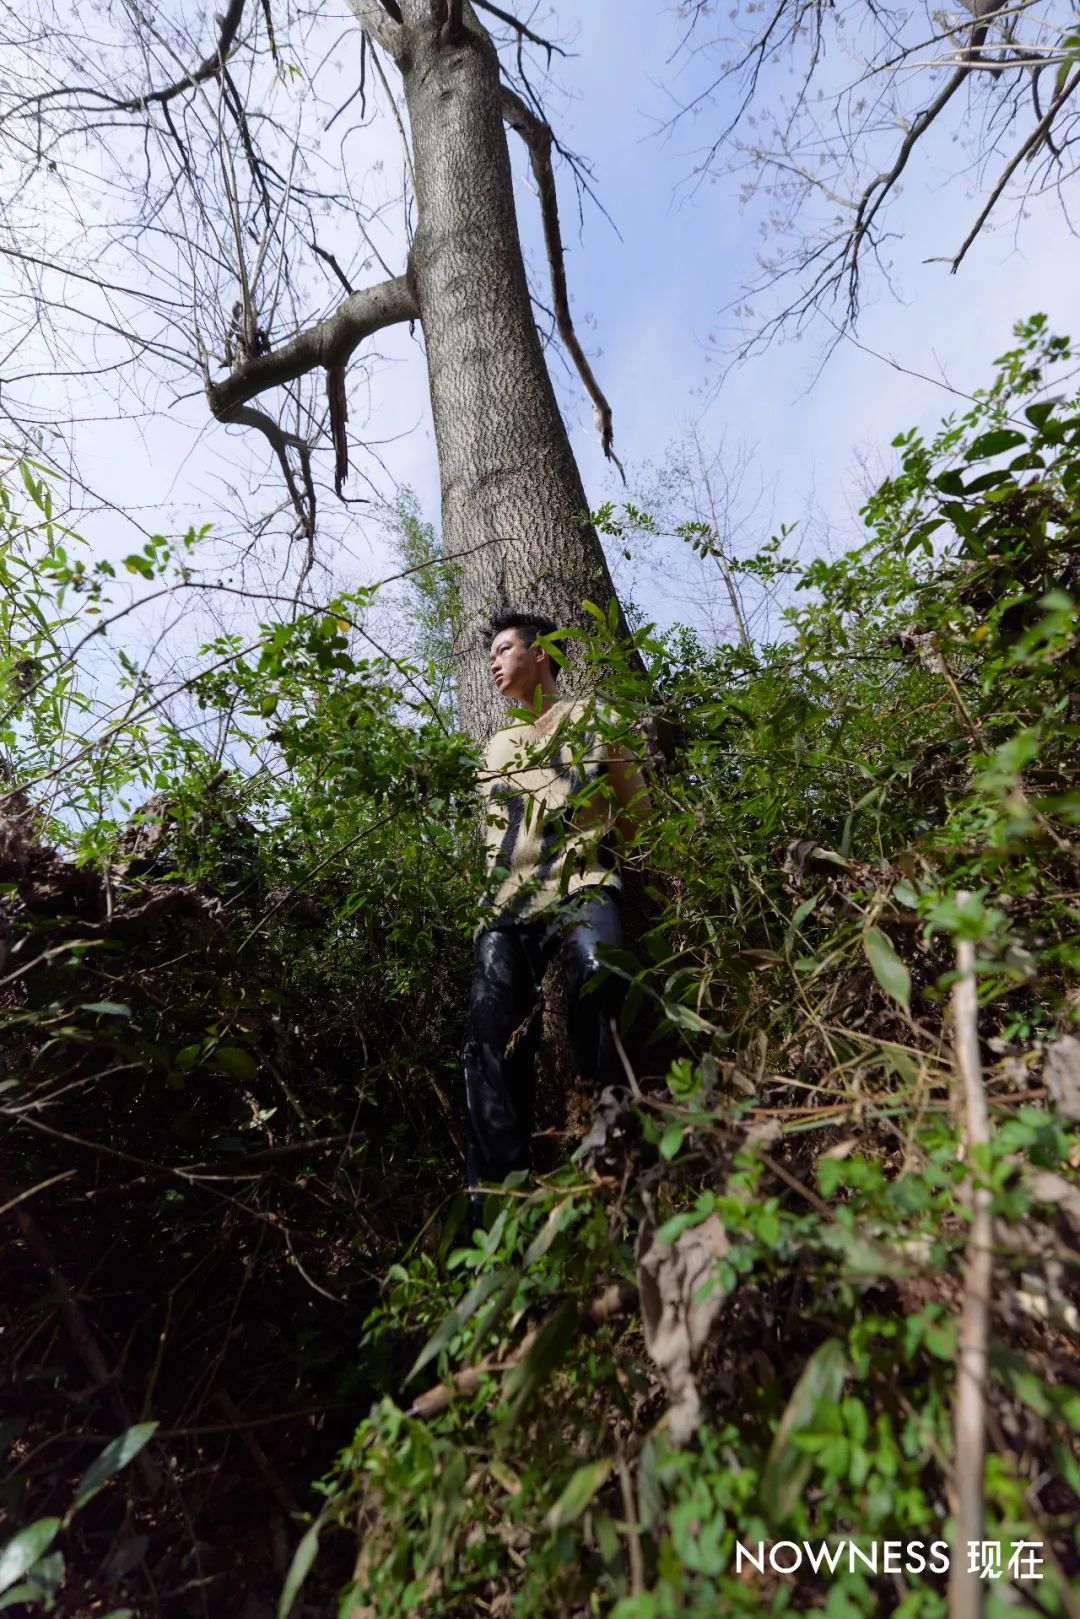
85	1342
523	30
617	1300
209	69
329	342
382	22
538	138
281	442
879	188
1028	149
454	26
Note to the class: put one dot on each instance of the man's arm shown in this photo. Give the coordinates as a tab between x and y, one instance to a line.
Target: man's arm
631	794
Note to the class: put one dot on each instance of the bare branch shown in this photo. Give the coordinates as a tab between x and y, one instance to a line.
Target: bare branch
382	23
339	415
851	144
522	29
1028	149
209	69
395	114
449	18
281	442
879	188
360	89
329	342
538	138
328	258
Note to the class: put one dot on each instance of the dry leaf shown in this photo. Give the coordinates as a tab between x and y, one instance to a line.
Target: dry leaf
1047	1187
1061	1076
675	1319
610	1110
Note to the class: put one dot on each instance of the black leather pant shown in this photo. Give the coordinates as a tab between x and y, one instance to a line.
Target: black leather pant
501	1035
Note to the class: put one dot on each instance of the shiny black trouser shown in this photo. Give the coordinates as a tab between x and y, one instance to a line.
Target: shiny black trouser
501	1034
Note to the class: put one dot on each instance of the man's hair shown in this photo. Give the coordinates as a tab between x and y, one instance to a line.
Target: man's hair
530	625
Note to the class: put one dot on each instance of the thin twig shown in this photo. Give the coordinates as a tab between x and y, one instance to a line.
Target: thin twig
85	1343
633	1531
538	138
31	1191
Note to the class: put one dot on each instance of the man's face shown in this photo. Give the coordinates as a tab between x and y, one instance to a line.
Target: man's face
516	668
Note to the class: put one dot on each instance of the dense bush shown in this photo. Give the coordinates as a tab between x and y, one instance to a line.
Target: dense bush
729	1315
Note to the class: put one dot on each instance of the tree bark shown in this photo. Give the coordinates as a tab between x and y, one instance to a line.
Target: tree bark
508	472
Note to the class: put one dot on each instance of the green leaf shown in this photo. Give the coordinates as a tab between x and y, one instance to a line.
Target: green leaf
112	1459
805	908
487	1323
547	1233
996	442
861	1256
547	1352
21	1553
1038	413
887	967
684	1017
235	1062
580	1490
787	1468
299	1569
19	1594
452	1324
107	1008
672	1140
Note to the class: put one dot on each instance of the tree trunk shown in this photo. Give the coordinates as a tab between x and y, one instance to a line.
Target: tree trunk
513	505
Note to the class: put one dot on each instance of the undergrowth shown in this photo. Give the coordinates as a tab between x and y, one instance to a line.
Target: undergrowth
725	1316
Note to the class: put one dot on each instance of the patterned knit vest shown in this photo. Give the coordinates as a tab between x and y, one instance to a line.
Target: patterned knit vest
549	810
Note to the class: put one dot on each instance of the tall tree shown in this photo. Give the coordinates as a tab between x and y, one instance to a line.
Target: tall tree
826	110
239	213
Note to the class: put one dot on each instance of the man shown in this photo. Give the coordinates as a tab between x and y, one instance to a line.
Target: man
557	796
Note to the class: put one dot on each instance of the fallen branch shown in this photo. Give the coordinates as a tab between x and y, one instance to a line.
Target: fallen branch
235	1168
617	1300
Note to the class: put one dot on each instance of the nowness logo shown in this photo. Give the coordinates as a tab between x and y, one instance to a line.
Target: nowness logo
880	1557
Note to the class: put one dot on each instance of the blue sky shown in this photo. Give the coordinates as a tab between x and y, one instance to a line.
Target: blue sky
646	300
684	253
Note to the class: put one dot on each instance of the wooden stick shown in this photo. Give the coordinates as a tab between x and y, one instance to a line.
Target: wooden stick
967	1591
616	1300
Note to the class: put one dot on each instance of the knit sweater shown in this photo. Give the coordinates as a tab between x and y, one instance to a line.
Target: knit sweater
549	811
